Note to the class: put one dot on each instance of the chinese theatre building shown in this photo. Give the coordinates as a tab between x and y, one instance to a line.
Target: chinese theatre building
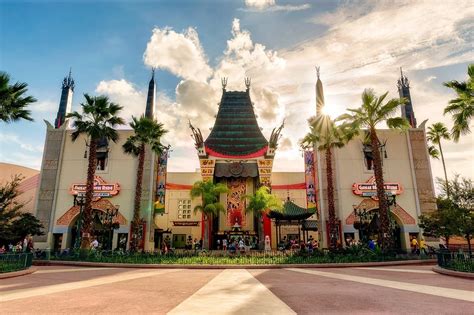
236	154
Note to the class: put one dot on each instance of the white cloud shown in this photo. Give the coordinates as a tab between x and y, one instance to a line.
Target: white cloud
364	46
430	78
126	95
179	53
259	4
271	6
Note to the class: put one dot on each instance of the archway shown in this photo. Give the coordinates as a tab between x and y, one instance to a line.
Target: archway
400	218
70	217
373	228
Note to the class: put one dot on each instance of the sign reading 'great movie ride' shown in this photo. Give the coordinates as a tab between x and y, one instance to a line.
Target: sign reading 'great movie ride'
369	188
101	188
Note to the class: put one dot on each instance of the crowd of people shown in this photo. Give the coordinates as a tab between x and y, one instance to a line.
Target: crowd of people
27	246
297	244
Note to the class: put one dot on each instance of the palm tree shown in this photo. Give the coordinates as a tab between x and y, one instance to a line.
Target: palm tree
12	101
210	205
462	107
147	132
435	133
433	152
372	112
97	121
325	135
260	202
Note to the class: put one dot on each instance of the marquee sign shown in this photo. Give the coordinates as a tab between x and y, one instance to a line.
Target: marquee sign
369	188
101	188
185	223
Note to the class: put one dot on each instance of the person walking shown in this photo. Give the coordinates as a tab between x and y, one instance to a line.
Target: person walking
423	246
224	244
414	246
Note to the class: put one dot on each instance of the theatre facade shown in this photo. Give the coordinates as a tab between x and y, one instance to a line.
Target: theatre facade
237	154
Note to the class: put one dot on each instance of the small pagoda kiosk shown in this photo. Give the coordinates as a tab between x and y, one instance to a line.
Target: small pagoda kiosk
293	214
237	154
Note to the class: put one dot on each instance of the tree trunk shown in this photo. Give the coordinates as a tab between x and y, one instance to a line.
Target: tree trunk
384	235
331	208
444	169
468	238
136	238
207	225
87	212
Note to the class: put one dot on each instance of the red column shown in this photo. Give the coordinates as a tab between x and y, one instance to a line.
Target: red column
267	227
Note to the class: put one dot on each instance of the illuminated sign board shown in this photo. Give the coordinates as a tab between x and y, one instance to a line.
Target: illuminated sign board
369	188
101	188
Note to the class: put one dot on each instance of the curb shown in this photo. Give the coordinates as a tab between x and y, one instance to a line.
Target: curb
17	273
176	266
452	273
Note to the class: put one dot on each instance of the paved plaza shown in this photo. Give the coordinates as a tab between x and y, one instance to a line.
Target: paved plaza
388	290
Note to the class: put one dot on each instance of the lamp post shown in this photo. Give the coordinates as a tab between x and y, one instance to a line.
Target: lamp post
79	200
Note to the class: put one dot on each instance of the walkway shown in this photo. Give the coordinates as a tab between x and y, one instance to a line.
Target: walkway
390	290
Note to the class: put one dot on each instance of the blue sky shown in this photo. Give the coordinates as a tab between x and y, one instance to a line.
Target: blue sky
111	46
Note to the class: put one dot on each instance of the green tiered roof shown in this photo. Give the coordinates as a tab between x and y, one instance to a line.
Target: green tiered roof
236	131
291	211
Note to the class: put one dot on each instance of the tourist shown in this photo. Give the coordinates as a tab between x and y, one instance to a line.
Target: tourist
189	243
30	244
94	244
2	249
25	243
18	248
200	243
10	247
218	244
241	245
414	246
423	246
224	244
371	244
164	247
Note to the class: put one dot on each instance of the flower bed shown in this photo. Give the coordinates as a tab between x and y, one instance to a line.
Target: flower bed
191	257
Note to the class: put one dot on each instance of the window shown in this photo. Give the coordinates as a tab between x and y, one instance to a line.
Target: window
101	161
368	157
102	154
184	209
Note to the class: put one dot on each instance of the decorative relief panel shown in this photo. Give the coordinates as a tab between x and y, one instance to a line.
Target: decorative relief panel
372	205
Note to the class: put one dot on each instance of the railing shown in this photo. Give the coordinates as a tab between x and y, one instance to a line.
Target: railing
458	261
15	261
220	257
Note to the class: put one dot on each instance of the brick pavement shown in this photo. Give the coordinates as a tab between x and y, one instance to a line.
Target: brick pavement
388	290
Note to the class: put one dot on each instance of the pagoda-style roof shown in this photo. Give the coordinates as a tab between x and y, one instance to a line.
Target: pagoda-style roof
236	133
291	211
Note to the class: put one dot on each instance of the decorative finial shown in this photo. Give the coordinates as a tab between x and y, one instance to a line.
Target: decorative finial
247	82
153	72
401	72
224	82
70	72
317	71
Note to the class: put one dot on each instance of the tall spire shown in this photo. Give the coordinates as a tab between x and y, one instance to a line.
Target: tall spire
404	91
319	94
65	103
150	101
